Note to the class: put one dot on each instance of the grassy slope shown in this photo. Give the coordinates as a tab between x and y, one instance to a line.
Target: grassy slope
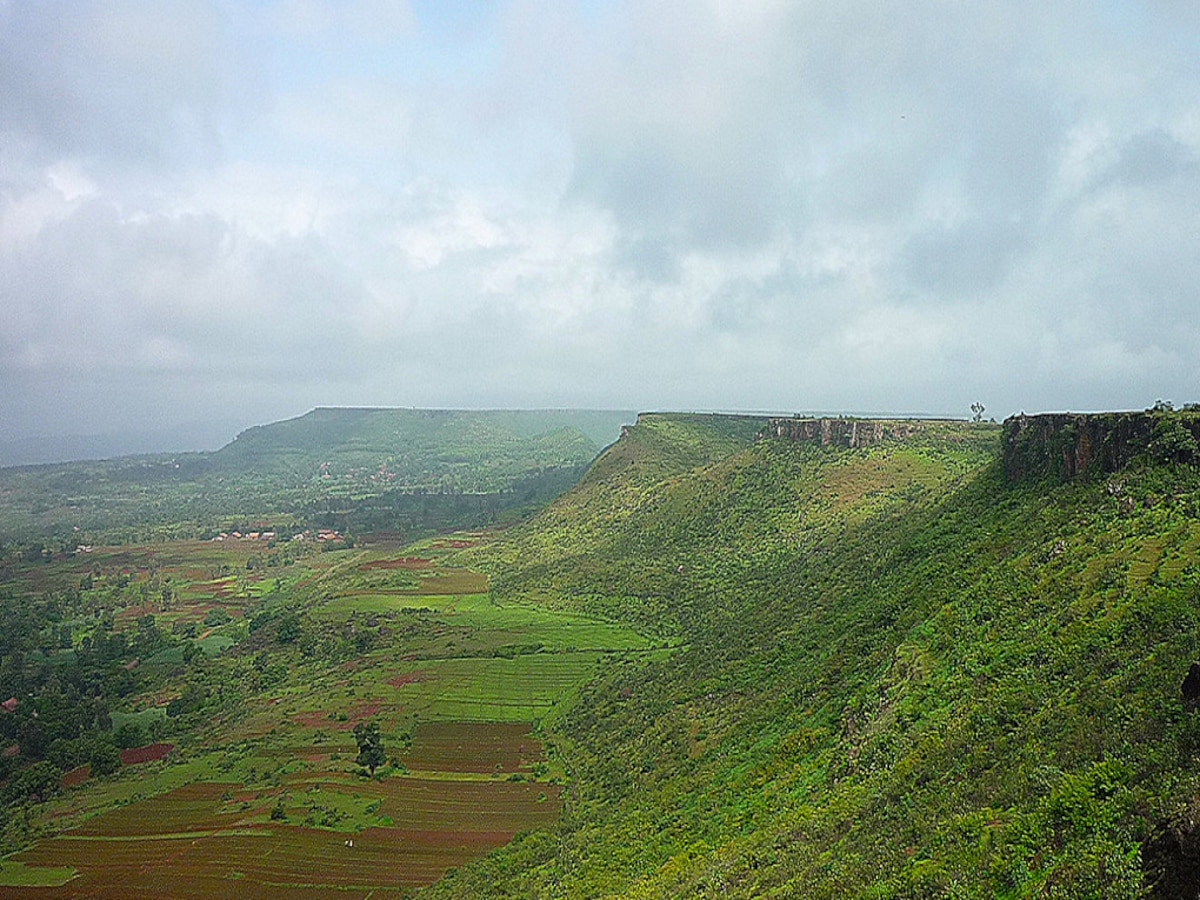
902	676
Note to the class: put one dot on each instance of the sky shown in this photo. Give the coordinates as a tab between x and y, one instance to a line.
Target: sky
215	214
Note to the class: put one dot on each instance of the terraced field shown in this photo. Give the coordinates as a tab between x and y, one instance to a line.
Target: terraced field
197	839
266	800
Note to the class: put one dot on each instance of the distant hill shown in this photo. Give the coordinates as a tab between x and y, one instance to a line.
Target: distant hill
371	468
421	447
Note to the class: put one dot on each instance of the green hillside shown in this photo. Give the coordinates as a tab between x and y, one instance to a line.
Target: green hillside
741	657
905	675
362	469
421	447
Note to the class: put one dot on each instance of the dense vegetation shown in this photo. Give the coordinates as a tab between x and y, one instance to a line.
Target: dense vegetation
905	675
759	667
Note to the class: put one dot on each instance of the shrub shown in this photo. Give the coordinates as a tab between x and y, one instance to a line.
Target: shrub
216	616
105	758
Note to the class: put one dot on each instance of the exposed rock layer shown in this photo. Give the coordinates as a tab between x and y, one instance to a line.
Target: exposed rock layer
1069	444
844	432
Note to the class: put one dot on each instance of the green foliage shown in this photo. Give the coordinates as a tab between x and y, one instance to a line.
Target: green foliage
216	616
289	629
1172	442
371	753
902	676
105	758
129	735
38	781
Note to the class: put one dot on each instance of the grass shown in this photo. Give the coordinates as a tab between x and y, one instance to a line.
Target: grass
16	874
522	689
144	719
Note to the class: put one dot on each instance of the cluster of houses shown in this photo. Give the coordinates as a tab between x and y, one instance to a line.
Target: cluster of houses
322	534
248	536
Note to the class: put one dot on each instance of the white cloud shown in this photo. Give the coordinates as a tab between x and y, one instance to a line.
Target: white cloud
709	205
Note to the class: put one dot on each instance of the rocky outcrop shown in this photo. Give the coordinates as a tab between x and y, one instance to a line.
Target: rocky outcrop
843	432
1066	445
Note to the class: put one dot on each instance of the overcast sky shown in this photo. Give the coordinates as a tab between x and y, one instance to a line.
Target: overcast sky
228	212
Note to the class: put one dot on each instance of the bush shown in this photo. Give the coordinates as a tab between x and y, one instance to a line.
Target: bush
216	616
38	781
128	735
105	758
1172	442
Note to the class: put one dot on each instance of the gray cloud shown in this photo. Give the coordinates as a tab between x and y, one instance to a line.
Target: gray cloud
214	212
141	83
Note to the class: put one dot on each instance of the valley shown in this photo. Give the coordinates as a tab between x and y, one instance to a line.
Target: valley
739	657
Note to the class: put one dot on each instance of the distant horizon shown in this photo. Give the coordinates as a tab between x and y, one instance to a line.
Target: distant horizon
215	214
51	449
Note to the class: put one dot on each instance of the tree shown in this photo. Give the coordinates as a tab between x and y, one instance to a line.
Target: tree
289	629
216	616
370	746
38	781
105	758
1171	441
128	735
977	408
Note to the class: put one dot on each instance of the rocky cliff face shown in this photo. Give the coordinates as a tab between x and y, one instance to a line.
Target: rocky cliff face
1068	444
844	432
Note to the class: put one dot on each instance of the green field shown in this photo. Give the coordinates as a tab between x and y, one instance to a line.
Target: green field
263	787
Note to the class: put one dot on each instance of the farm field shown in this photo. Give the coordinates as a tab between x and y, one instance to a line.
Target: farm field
258	791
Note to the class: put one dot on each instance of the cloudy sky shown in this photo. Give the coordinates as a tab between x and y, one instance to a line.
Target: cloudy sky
219	213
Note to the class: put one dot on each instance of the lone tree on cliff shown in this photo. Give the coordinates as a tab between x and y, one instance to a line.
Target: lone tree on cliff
978	409
370	746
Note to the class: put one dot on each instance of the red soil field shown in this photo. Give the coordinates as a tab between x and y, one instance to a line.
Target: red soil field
408	678
134	755
319	718
478	747
216	588
462	807
447	824
194	807
403	562
78	775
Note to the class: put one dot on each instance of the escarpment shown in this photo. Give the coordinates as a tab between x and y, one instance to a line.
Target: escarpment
839	432
1066	445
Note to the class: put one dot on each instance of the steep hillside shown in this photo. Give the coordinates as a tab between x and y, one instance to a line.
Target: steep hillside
905	672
